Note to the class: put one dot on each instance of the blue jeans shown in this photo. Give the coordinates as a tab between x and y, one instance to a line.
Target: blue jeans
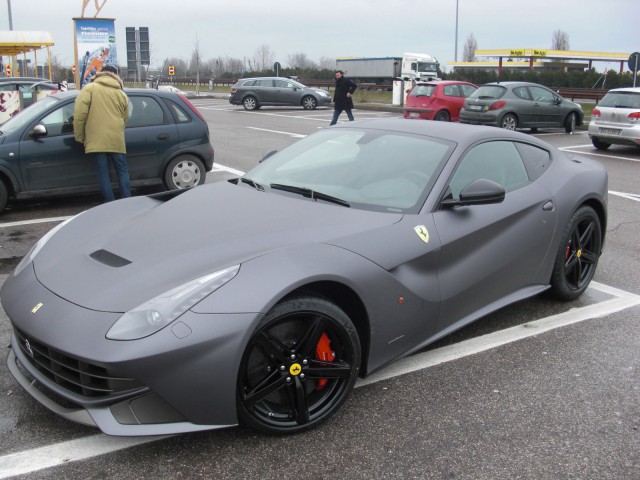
336	114
104	180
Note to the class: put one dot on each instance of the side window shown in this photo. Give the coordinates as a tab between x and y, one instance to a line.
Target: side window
536	160
265	83
450	91
522	92
497	161
179	115
541	95
144	111
60	121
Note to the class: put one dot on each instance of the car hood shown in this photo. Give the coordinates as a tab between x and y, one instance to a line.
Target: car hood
118	255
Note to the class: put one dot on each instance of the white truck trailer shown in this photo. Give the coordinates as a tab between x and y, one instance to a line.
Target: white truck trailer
380	70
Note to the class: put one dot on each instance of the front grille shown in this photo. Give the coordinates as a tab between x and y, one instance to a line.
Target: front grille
74	375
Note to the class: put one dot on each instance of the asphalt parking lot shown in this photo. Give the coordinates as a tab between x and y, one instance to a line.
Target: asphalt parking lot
537	390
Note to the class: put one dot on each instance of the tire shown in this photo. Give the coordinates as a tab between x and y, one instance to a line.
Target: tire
250	103
298	368
578	255
599	144
4	195
509	122
570	123
309	102
184	171
442	116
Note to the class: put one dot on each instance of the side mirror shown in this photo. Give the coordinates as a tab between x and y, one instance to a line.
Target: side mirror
267	155
38	131
478	192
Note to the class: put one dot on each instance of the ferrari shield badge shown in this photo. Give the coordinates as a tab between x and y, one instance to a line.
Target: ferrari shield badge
422	232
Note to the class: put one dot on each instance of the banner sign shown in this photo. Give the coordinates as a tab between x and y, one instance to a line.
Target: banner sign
95	40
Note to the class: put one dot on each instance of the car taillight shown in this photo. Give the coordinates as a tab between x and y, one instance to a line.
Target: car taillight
234	90
634	117
190	105
497	105
595	113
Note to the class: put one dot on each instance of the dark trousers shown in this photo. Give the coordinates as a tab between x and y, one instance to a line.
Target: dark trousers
119	161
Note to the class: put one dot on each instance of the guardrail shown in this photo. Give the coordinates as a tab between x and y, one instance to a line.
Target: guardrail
582	93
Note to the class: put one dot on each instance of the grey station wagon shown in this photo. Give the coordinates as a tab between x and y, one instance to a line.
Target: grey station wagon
253	93
167	144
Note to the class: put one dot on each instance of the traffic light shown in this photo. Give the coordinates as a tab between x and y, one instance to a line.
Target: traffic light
7	69
172	70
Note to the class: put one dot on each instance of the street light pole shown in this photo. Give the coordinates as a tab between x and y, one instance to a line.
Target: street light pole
455	56
10	20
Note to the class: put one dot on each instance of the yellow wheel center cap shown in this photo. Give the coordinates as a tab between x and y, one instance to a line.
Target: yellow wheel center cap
295	369
579	253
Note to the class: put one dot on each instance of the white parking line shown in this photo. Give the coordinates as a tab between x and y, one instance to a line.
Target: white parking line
294	135
29	461
576	149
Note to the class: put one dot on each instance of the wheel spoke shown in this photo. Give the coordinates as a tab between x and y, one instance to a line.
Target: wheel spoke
335	369
586	235
271	347
589	257
298	400
270	384
311	337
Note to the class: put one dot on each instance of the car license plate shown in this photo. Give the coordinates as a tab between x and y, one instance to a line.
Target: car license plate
476	108
414	114
610	131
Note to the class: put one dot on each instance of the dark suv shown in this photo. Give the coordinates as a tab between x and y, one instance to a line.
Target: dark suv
253	93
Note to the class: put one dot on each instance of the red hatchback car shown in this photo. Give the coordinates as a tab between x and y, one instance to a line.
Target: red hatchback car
437	100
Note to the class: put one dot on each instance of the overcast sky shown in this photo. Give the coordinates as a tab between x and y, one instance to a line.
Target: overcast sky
336	28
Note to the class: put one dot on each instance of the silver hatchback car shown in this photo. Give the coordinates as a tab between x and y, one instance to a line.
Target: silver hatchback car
616	119
253	93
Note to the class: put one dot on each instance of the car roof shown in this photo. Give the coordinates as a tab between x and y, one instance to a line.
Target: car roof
443	82
625	89
151	91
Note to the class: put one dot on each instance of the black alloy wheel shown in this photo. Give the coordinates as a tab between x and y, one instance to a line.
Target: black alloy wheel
578	254
298	368
442	116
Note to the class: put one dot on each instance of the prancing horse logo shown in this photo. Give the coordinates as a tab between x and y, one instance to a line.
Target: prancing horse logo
422	232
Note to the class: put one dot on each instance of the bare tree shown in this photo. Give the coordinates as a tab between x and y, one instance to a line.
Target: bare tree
196	62
469	51
263	59
560	40
326	63
300	61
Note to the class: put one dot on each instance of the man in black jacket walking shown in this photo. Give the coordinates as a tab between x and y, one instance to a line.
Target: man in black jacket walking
342	97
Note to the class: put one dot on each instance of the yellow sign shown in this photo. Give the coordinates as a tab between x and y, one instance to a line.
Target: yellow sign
7	69
295	369
539	53
172	70
516	53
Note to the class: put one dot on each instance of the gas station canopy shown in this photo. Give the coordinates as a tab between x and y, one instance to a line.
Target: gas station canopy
15	43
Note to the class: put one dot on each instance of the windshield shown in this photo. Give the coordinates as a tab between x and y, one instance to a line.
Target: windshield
621	100
427	66
367	169
489	91
28	115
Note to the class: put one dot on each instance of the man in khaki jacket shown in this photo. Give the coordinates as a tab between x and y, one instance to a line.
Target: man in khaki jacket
100	114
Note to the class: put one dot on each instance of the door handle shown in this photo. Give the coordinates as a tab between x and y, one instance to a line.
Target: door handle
163	136
548	207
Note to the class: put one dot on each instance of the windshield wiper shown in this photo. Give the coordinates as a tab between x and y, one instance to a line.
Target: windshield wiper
255	185
308	193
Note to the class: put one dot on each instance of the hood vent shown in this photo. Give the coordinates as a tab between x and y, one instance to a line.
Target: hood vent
109	258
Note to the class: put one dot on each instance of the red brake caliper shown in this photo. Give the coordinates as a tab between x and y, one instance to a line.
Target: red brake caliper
324	353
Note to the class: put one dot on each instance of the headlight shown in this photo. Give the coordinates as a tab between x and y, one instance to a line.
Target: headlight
157	313
28	258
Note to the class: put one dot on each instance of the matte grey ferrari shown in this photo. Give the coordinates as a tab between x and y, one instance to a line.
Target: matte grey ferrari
260	300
